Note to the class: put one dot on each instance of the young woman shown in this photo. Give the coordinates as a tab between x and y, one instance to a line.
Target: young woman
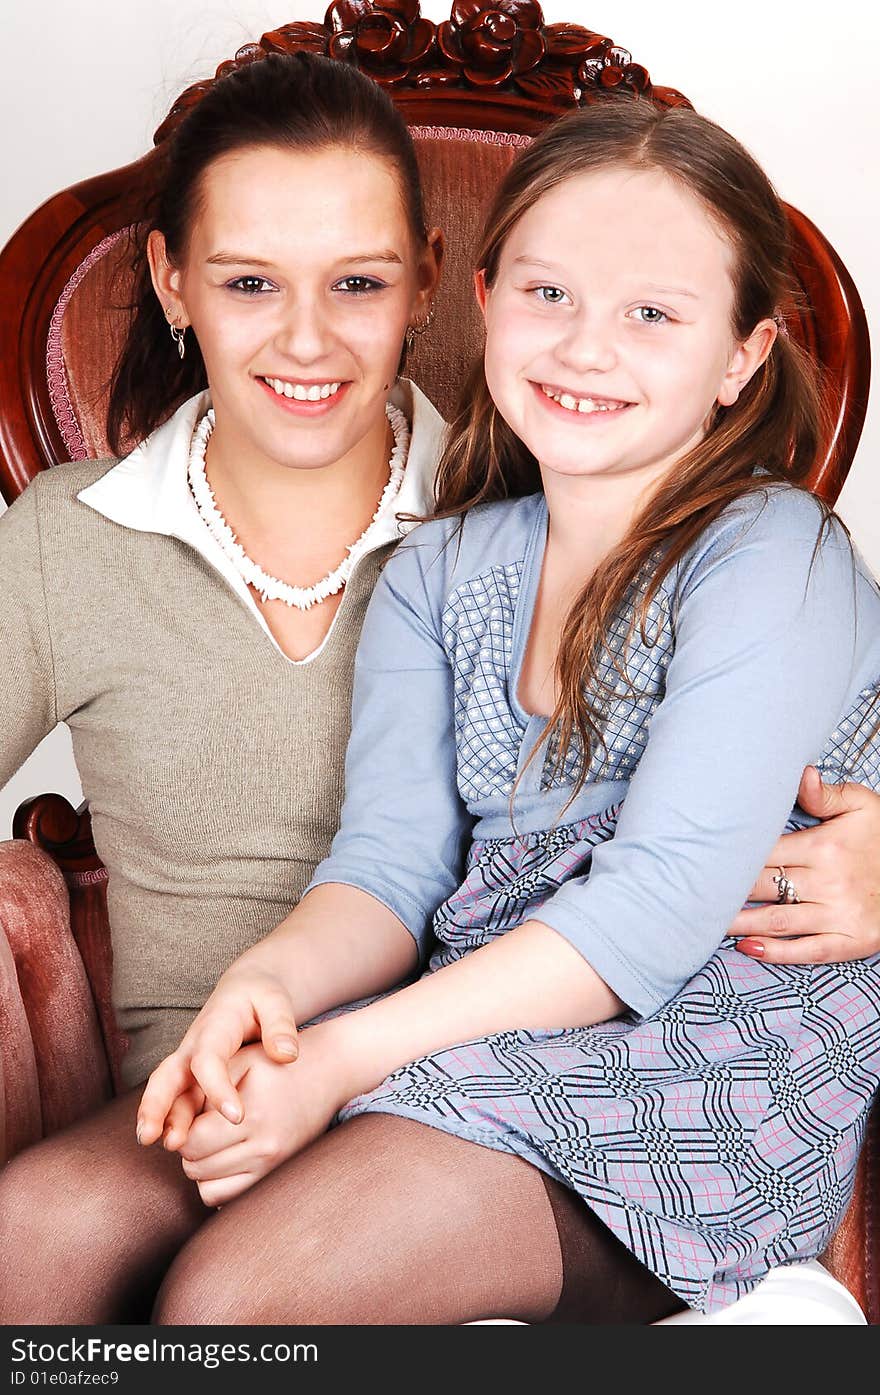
580	716
209	705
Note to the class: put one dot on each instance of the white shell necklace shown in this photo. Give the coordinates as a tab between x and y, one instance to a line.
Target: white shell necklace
270	587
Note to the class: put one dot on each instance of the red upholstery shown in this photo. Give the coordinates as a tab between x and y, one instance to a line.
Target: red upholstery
55	1064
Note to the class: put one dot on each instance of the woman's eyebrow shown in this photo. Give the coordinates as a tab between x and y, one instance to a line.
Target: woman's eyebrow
236	259
372	257
242	259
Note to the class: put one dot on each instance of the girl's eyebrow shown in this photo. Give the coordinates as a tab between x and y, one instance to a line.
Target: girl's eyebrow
672	290
536	261
644	288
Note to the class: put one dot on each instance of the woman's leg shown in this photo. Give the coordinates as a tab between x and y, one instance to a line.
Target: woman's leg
384	1220
89	1222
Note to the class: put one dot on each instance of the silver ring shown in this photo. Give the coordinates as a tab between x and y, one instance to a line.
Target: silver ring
786	894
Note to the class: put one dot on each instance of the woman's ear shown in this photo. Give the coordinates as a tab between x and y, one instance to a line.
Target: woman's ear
430	265
481	290
166	280
747	359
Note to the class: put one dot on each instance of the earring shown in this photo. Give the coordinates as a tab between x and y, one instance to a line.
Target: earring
177	334
420	328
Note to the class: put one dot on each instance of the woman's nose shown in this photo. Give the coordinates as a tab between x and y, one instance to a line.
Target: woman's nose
303	334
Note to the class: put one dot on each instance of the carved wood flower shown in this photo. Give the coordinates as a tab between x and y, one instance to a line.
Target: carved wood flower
606	65
491	43
386	39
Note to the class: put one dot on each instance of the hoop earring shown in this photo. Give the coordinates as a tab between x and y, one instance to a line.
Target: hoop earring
177	334
413	330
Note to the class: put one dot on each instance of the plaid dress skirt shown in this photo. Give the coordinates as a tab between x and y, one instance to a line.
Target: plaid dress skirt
717	1137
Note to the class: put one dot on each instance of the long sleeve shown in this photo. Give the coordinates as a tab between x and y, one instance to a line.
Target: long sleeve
404	827
27	685
765	646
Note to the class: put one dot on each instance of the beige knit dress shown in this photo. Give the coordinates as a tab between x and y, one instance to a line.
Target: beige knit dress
212	763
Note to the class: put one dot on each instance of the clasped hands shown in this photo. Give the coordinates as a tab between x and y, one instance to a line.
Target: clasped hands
245	1090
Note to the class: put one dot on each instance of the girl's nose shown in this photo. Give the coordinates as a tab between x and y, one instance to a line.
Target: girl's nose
589	345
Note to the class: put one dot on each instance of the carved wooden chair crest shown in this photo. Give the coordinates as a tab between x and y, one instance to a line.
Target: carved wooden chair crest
473	88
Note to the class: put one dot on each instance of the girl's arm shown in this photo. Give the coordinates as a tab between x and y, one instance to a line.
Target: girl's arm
773	637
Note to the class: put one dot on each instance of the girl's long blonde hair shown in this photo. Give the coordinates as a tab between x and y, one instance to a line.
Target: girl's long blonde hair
777	422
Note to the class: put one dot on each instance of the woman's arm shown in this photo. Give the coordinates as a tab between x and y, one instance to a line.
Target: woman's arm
27	681
835	867
367	914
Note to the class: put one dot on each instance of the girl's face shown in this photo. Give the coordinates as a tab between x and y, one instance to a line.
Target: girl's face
299	281
609	336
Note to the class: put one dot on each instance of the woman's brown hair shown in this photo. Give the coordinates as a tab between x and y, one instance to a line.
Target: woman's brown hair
775	424
298	101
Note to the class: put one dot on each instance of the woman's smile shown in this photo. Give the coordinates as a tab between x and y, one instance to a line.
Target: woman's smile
304	398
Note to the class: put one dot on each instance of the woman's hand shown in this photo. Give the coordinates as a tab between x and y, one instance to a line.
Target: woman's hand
248	1004
285	1108
835	869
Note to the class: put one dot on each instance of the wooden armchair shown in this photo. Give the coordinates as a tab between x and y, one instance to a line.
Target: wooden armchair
473	89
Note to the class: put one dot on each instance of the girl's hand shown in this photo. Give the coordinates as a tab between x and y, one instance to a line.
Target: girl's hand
248	1004
286	1107
835	868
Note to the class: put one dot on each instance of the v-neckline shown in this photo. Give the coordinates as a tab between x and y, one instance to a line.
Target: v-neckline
533	724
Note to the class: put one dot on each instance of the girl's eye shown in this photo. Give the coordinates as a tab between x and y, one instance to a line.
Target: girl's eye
551	295
649	315
250	285
358	285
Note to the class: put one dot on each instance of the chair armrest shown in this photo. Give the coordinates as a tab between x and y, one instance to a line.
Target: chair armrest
21	1120
854	1254
54	1040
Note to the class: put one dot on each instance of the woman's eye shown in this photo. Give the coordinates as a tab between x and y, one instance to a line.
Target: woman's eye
649	315
551	295
250	285
358	285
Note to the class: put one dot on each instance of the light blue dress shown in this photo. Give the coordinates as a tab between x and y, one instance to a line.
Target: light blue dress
715	1126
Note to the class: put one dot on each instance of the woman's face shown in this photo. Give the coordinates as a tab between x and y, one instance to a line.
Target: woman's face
609	336
299	280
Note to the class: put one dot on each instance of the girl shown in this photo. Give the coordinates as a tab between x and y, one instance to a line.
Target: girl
589	1104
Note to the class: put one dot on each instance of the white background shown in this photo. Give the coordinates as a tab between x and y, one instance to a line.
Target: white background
85	83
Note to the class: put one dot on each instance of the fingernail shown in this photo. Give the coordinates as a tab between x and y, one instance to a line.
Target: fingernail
753	948
231	1112
139	1135
285	1046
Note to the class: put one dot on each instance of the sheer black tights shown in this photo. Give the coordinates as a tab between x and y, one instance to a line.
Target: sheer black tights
89	1223
385	1220
382	1220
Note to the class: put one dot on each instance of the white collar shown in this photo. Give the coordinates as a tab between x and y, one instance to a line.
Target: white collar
148	490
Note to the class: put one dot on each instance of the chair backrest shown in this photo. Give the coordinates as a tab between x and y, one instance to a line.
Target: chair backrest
473	89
